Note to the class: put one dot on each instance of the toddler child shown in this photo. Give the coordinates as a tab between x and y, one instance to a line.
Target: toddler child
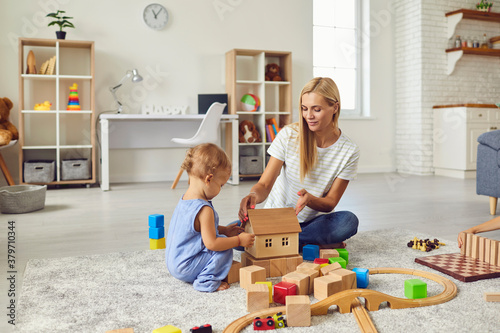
198	250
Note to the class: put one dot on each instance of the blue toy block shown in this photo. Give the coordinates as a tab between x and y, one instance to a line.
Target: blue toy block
156	220
310	252
343	253
362	277
156	233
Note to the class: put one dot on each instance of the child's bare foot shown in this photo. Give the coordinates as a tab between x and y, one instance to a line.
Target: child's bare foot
223	286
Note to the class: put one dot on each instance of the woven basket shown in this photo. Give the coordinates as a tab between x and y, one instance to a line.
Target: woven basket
19	199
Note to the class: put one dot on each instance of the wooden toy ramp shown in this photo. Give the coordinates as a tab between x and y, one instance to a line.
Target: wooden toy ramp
346	300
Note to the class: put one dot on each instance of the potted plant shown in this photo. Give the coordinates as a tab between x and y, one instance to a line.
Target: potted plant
62	22
484	6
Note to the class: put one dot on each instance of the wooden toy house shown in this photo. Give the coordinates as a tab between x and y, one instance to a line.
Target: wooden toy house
276	232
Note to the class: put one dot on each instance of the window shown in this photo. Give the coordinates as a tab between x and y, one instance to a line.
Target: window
336	53
269	242
284	241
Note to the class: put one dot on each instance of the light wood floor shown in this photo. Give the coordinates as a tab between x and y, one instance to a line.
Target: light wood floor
81	221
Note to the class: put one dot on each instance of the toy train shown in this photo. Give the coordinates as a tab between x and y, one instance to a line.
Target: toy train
269	323
201	329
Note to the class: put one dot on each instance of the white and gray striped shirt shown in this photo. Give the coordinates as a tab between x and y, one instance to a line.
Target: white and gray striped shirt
338	160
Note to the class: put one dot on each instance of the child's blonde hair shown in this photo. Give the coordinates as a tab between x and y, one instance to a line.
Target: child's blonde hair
204	159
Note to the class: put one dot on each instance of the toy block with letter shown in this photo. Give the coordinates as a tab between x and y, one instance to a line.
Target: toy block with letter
310	252
251	274
298	311
415	288
327	285
328	253
283	289
167	329
301	280
257	297
362	277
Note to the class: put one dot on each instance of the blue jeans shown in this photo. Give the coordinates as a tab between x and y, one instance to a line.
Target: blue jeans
325	229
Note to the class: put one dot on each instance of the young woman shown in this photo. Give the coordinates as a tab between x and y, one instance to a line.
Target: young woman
311	164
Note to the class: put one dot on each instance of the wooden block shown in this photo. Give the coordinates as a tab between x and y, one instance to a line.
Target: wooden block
308	265
463	237
298	311
494	253
301	280
326	286
492	297
257	297
481	241
312	273
468	249
475	247
234	273
251	274
244	259
122	330
264	263
348	278
293	262
328	268
321	267
487	250
498	253
277	267
269	285
328	253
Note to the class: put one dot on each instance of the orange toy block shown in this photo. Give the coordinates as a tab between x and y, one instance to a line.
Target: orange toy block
348	278
298	311
257	297
327	285
251	274
269	284
301	280
122	330
309	265
328	253
312	273
488	297
331	267
234	273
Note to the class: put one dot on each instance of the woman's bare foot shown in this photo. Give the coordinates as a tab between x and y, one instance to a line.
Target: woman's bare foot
223	286
341	245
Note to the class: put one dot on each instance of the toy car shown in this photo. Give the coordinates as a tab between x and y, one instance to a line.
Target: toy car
279	322
263	324
202	329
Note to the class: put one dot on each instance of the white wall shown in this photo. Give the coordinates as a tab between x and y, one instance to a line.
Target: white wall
187	58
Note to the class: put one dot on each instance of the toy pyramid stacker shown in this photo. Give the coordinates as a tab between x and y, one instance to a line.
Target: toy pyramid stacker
73	102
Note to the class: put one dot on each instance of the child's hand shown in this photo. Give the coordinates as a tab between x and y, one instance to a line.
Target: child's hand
246	239
233	230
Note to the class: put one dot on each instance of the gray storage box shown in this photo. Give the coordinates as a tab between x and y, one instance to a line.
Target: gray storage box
250	165
75	169
39	171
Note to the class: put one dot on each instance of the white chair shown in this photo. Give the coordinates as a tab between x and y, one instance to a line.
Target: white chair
3	165
207	132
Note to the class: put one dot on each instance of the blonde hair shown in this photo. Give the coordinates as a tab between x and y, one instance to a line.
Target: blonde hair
205	159
327	88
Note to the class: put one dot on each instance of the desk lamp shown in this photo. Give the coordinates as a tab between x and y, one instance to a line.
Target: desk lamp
135	78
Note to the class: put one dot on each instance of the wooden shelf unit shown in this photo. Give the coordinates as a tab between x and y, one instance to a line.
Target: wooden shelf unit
245	74
57	134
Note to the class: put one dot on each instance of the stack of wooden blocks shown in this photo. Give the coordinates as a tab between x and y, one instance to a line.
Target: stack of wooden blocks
156	231
482	248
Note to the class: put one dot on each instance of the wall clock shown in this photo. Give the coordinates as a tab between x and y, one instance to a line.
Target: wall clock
155	16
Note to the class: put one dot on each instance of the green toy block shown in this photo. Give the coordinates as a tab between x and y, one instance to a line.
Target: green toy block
343	253
415	288
167	329
340	260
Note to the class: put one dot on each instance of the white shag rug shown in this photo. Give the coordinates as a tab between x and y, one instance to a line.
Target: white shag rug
120	290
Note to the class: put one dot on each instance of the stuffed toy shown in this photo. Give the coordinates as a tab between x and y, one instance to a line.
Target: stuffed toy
8	131
273	72
248	132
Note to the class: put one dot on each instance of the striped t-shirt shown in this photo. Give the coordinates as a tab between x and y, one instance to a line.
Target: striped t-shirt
338	160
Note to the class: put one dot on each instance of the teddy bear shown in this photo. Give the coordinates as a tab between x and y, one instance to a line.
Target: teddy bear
8	131
248	132
273	72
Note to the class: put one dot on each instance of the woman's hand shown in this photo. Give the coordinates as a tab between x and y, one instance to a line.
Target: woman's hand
304	198
247	202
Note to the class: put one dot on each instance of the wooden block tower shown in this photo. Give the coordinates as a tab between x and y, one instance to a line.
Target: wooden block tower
73	102
156	231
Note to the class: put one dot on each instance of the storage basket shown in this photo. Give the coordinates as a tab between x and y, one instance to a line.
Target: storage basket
39	171
250	165
17	199
75	169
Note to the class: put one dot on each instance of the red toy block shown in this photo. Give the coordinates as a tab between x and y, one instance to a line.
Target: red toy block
321	261
282	290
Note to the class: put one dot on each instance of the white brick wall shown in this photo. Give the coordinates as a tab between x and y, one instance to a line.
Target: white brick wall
421	79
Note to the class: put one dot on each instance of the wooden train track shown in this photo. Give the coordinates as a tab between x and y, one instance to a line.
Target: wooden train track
373	299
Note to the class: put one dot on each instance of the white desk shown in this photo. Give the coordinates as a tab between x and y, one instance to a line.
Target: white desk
156	131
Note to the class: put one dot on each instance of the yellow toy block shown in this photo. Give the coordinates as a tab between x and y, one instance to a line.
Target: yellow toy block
167	329
270	286
156	244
